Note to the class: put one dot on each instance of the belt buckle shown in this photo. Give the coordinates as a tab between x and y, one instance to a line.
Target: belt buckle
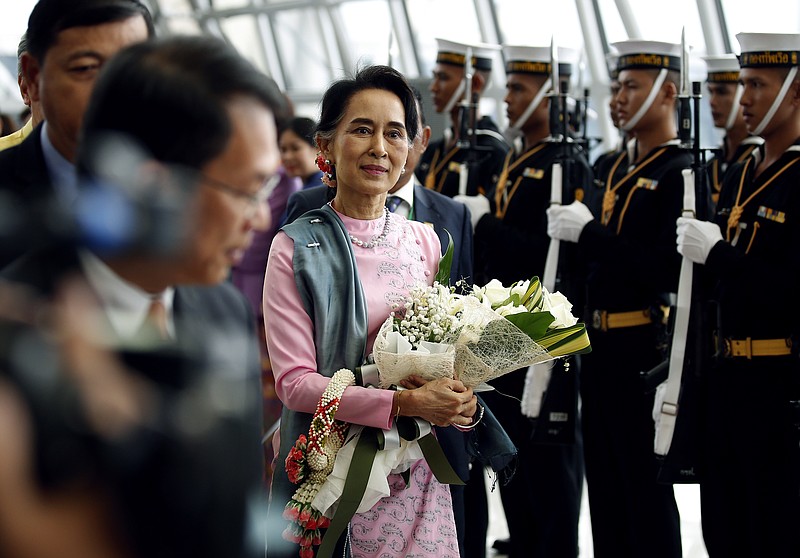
597	319
728	347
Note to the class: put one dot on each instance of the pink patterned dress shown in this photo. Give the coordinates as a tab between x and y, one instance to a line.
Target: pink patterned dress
414	520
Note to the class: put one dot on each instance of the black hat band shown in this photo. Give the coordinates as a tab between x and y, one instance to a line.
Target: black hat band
648	61
770	59
723	77
456	59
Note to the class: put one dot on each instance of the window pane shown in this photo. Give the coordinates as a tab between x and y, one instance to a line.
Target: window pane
446	19
302	51
556	19
660	25
222	4
612	22
242	32
771	16
367	28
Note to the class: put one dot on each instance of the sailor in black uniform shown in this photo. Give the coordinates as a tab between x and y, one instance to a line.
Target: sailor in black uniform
446	163
750	491
542	499
629	248
724	92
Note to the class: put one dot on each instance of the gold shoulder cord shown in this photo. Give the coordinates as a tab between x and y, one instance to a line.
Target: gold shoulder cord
502	196
715	182
738	208
609	198
430	179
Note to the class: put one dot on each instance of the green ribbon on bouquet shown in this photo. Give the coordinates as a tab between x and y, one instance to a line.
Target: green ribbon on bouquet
369	443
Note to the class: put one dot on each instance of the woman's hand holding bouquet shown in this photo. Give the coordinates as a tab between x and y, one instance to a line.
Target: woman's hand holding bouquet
441	402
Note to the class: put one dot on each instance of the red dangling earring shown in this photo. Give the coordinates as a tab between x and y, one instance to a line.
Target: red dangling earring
328	171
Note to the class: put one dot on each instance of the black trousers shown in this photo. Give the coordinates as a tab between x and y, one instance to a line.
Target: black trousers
750	493
632	515
542	499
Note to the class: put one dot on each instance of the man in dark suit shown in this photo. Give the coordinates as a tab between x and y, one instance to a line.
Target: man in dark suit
67	43
200	190
414	201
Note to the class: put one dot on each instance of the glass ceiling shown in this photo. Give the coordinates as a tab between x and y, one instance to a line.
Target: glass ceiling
305	44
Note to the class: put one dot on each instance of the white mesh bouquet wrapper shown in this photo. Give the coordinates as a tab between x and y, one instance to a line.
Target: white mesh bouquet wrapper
396	359
484	346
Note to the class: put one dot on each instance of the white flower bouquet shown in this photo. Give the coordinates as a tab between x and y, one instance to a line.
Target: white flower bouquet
477	336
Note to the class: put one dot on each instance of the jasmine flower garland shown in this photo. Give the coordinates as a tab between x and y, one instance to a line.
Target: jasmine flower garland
310	462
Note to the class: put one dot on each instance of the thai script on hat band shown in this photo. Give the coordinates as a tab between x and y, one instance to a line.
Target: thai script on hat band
723	77
772	58
444	57
645	60
528	67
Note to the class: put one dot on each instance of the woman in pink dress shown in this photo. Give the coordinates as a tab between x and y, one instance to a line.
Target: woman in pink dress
332	279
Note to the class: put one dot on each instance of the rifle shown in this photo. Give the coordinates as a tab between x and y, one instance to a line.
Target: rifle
558	132
558	393
467	138
678	460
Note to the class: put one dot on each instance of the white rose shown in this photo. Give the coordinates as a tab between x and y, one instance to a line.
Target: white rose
520	288
510	309
561	309
495	292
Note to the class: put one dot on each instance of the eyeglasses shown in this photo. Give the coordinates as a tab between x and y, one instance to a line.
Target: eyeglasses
254	201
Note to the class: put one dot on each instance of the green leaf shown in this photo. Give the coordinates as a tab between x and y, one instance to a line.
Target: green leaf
532	299
446	263
534	324
513	299
567	341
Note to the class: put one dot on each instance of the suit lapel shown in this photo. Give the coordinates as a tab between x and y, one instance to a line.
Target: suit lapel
424	211
34	179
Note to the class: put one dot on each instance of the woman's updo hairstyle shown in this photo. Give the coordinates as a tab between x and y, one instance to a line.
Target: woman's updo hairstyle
338	95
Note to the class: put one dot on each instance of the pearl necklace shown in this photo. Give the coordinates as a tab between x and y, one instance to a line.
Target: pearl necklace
375	240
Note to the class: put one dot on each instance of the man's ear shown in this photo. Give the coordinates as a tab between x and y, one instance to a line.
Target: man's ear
30	72
478	82
23	90
426	136
796	92
670	90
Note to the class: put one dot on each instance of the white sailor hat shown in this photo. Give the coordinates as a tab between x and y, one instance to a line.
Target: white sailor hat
636	54
723	68
611	62
451	52
769	50
536	60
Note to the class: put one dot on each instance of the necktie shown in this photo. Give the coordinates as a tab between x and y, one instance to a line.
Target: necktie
156	319
393	202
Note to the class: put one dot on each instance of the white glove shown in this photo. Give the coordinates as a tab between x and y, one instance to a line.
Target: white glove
658	402
565	222
478	207
697	238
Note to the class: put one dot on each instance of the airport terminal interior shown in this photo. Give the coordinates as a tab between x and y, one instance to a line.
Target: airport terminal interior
304	45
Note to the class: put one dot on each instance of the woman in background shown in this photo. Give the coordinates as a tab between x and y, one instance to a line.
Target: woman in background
298	151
